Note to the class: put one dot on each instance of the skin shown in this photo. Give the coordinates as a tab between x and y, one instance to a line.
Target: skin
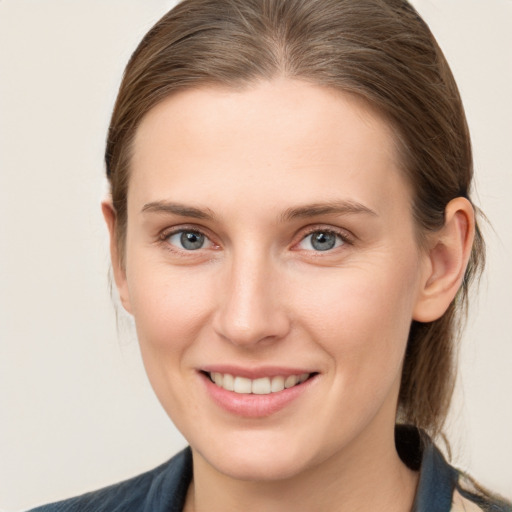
257	293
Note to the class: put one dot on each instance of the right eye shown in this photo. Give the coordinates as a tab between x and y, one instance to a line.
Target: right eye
189	240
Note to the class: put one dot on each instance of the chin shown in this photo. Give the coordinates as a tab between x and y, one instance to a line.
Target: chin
258	461
260	469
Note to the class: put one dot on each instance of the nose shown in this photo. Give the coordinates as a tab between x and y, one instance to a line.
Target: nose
251	309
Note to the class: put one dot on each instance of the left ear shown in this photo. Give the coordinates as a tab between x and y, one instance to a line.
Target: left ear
447	258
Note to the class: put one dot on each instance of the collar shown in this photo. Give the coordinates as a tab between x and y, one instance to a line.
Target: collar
437	478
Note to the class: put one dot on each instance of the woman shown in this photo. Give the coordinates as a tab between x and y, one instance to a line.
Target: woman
292	231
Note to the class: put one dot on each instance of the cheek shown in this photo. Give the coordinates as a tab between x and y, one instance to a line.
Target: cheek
171	310
170	306
361	317
363	325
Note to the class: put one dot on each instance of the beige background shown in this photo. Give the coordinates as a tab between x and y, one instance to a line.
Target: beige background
76	411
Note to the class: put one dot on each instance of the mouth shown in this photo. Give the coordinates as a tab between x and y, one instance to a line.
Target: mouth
256	393
259	386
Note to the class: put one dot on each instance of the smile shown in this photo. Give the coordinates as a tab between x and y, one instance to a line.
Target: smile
260	386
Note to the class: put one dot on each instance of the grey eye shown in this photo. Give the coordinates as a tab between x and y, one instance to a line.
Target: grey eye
188	240
321	241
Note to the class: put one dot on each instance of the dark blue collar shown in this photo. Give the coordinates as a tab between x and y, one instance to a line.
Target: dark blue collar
437	481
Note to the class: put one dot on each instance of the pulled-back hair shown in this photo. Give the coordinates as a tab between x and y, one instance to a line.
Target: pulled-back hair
380	50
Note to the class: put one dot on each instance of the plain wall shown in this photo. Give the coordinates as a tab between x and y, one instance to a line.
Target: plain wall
76	411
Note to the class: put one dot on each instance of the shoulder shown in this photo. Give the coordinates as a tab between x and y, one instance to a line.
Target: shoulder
161	489
461	504
442	487
471	497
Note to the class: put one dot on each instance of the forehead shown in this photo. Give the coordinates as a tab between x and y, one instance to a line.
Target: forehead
273	137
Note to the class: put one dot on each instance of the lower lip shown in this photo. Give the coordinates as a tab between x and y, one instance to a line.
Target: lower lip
251	405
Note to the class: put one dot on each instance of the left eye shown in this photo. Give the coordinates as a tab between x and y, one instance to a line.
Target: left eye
321	241
189	240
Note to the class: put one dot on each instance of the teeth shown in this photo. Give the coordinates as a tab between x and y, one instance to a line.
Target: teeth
290	381
242	385
228	382
217	378
277	384
261	386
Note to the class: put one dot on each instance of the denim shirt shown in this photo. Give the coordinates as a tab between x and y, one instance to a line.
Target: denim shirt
164	489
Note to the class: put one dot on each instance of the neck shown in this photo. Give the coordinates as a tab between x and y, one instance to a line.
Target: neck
368	475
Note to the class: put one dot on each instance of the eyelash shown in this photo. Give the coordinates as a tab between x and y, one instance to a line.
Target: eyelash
345	238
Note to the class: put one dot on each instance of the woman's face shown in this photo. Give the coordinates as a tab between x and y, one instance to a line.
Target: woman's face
270	240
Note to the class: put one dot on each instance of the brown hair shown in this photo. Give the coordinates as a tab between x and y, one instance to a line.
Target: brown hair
380	50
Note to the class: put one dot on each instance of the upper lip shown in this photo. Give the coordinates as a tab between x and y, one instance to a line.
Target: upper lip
255	372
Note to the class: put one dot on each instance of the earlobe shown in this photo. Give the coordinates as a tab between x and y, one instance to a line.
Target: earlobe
447	258
109	214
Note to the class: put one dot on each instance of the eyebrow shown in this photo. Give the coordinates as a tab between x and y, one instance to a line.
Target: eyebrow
182	210
299	212
329	208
